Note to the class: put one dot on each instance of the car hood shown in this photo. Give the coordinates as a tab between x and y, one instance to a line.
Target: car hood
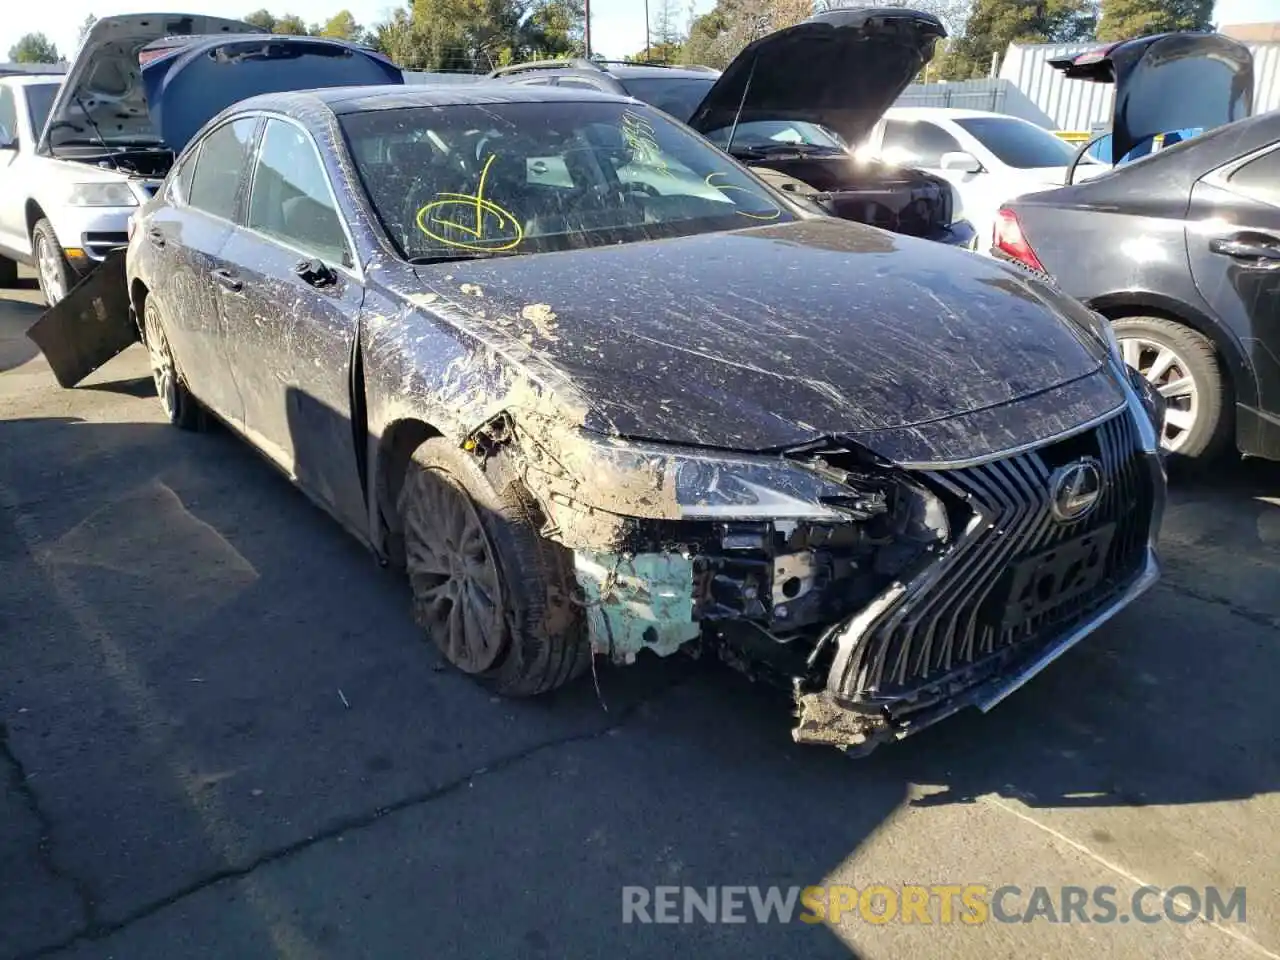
103	87
1166	82
841	69
190	84
771	337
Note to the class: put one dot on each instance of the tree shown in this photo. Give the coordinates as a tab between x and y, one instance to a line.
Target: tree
291	25
85	27
1125	19
34	48
263	20
719	35
994	24
342	26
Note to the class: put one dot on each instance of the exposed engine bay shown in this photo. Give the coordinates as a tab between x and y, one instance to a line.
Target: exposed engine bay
869	191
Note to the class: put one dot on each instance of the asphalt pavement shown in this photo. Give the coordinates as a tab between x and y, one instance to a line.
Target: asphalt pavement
222	736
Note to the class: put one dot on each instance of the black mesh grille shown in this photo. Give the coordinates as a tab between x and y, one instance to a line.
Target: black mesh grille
980	602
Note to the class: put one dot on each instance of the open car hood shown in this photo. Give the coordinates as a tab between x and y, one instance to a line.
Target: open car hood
842	69
103	96
188	85
1167	82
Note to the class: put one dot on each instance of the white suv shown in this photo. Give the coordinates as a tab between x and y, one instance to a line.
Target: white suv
79	155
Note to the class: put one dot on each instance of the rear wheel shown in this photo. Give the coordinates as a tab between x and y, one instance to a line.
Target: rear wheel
52	268
491	593
180	407
1183	366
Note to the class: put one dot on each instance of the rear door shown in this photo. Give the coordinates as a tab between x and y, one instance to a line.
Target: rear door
291	309
185	238
1233	243
12	190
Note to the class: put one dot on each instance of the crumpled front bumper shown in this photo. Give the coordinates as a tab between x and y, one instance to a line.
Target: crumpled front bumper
841	714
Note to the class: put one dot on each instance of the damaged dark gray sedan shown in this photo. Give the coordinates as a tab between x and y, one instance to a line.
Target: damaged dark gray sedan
600	389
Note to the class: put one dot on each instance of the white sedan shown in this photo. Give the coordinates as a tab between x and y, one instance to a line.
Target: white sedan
990	158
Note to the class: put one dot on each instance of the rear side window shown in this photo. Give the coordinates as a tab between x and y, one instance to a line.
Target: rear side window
292	201
8	117
917	144
1260	178
220	168
578	83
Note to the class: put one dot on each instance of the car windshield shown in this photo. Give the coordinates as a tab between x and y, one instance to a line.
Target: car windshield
764	133
513	178
678	96
1018	143
39	103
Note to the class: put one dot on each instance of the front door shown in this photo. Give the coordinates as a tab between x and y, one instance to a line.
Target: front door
291	312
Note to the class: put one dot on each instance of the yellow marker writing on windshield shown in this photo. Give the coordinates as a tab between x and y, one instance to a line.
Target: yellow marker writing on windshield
727	188
482	214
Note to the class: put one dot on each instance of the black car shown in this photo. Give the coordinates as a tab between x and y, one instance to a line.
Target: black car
1181	249
602	395
793	104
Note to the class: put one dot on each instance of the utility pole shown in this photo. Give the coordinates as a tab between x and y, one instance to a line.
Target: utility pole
646	30
586	33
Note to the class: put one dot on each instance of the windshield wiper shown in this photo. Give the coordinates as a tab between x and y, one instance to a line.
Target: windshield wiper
448	258
782	149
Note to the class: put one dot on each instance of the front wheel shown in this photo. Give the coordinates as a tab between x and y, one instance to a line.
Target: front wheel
1183	366
493	595
52	269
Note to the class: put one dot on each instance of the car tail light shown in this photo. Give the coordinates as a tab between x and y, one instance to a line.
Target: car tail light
1010	241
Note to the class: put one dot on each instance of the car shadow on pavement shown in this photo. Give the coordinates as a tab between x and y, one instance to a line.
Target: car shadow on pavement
17	316
230	729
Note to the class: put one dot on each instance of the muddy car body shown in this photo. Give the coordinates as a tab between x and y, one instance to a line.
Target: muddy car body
794	104
896	478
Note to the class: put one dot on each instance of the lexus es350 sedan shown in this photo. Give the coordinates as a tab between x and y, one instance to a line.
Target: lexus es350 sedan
600	389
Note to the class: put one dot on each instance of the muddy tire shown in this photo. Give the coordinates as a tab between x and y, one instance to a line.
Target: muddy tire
8	272
52	269
495	597
180	407
1184	366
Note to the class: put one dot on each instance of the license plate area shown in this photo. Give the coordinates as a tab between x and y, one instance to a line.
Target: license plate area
1054	577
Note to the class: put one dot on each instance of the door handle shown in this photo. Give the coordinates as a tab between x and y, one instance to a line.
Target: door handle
1245	249
156	235
227	279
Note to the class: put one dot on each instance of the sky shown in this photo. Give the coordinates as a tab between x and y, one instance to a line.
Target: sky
617	26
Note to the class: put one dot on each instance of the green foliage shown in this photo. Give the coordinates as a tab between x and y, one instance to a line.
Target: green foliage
291	25
34	48
342	26
263	20
1125	19
994	24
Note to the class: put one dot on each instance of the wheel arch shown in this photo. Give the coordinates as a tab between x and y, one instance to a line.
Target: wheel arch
33	213
395	447
1241	380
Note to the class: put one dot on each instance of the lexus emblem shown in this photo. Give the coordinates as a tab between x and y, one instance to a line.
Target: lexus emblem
1075	489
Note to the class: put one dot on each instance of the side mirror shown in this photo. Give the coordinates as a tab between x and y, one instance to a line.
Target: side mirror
960	162
7	140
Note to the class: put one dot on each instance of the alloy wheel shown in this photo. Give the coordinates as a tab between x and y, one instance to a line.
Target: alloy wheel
451	565
1168	372
49	264
163	371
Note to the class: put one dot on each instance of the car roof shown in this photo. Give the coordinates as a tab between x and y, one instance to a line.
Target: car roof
626	71
345	100
32	79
